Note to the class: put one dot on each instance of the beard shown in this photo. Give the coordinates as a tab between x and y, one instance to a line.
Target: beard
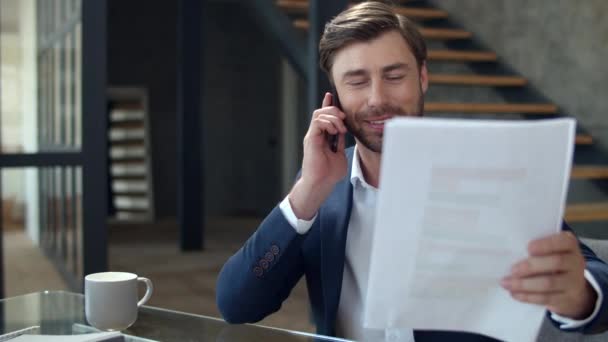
372	140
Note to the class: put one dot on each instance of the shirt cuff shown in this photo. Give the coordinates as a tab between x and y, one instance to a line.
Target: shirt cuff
568	323
301	226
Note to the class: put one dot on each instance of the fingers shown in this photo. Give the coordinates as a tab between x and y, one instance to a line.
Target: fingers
553	276
341	142
325	126
327	120
337	122
327	108
563	242
546	284
555	263
545	299
327	100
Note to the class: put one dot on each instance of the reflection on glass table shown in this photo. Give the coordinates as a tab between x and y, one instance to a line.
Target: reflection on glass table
62	313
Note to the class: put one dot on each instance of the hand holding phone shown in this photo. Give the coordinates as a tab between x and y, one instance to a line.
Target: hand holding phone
321	169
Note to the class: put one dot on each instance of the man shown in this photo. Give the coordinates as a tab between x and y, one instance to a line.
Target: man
377	62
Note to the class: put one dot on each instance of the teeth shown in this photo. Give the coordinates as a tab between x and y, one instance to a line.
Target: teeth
377	122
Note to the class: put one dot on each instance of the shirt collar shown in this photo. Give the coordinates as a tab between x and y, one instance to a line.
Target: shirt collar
356	174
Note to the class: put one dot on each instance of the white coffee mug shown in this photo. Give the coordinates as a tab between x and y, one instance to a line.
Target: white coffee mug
111	299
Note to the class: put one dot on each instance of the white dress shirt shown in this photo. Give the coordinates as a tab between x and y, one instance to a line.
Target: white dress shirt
349	323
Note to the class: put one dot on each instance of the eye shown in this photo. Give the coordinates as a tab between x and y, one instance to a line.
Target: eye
356	83
395	77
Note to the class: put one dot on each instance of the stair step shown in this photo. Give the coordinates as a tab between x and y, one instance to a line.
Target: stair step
427	33
445	34
497	81
422	13
586	212
295	6
533	108
462	56
584	139
589	172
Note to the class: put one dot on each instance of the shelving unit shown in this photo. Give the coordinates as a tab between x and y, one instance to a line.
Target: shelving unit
130	158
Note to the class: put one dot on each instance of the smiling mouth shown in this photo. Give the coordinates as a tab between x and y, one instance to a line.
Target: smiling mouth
378	124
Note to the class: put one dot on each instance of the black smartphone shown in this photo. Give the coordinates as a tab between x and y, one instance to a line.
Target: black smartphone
333	138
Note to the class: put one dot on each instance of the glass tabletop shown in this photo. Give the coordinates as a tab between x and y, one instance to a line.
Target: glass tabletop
62	313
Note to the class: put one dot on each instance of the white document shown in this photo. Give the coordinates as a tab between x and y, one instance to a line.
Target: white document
459	202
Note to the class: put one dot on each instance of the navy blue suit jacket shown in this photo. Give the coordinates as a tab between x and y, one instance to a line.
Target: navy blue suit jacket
260	276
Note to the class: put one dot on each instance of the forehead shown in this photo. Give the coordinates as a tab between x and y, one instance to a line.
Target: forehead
388	48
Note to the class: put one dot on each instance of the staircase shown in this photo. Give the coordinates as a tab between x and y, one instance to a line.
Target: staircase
461	72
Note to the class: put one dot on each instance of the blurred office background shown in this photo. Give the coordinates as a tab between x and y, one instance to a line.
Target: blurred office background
153	137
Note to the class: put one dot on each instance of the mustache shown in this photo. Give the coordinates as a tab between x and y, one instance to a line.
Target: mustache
372	112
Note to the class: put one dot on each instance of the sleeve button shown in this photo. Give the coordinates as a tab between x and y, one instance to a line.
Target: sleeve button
269	257
275	250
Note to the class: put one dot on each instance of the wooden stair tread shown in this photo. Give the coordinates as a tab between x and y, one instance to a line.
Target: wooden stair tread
584	139
587	212
462	56
532	108
446	34
422	13
589	172
502	81
295	6
427	33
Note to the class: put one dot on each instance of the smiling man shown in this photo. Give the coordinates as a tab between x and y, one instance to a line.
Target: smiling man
376	59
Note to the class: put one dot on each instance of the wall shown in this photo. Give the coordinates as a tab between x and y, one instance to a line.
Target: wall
240	125
560	45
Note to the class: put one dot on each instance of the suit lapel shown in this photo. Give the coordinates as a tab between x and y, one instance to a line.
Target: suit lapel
335	215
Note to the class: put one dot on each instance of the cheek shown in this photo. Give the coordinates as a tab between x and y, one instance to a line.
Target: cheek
410	94
351	106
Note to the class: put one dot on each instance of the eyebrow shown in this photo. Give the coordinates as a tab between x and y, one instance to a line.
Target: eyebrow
363	72
395	66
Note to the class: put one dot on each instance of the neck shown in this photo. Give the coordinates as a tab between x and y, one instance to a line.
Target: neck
370	165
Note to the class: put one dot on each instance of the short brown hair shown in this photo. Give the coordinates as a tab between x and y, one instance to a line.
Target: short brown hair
364	22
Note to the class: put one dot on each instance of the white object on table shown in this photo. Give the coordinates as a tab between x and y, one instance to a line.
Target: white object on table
111	299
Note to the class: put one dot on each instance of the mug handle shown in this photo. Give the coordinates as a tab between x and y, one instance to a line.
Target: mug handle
149	290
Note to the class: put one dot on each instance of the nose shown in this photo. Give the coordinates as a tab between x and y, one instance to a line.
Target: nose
377	95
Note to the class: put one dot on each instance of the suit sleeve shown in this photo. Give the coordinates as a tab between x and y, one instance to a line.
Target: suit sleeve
256	280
